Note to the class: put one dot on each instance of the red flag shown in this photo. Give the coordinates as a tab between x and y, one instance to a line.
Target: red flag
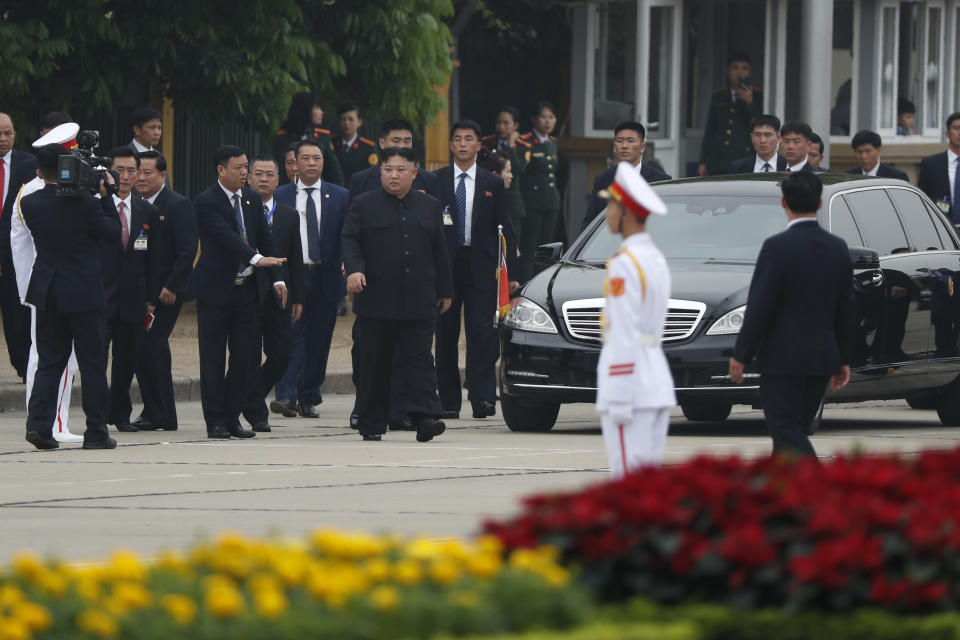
503	280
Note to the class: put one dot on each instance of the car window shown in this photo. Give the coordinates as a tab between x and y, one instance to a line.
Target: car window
878	222
842	224
940	222
915	219
701	226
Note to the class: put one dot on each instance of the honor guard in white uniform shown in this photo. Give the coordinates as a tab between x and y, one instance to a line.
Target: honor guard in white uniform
24	254
634	385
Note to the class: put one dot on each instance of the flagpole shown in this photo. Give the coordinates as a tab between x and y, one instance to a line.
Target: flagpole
496	311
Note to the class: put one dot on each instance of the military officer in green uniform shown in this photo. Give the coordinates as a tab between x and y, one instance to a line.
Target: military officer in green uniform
354	152
726	136
508	140
303	122
538	185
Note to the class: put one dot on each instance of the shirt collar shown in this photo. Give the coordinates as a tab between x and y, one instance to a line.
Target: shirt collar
229	193
637	238
542	139
269	204
797	167
799	220
471	172
6	158
126	201
350	142
139	147
153	198
951	156
872	172
315	185
759	162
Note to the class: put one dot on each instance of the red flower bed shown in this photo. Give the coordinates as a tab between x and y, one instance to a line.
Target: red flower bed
852	532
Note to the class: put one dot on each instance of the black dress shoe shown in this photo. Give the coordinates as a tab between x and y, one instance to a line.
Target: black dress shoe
309	411
450	415
126	427
239	432
354	419
403	425
429	428
109	443
484	409
262	427
41	441
286	409
149	425
219	432
372	437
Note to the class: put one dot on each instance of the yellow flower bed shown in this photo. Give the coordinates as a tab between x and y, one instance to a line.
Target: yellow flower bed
333	584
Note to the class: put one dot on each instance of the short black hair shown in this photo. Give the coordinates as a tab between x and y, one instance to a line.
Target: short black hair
404	152
54	119
739	56
816	139
395	125
465	124
156	155
633	126
866	137
265	157
222	156
292	147
126	151
796	126
309	142
765	120
905	106
512	110
349	106
802	191
143	115
544	104
950	118
48	157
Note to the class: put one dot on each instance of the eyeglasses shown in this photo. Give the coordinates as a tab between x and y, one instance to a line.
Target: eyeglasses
264	174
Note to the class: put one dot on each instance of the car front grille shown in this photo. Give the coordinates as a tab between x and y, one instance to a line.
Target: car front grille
582	319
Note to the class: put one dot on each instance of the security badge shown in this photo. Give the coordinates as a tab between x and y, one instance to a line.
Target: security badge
447	218
140	244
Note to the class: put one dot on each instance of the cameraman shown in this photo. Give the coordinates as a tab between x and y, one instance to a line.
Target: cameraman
67	290
726	135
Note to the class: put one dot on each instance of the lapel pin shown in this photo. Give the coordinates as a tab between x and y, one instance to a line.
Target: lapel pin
326	195
247	201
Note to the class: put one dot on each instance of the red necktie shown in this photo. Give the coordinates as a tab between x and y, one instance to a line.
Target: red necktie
3	175
124	229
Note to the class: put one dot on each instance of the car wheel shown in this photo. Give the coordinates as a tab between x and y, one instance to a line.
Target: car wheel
949	409
817	421
528	415
923	402
714	412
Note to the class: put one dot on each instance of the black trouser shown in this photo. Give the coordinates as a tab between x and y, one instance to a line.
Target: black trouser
16	321
275	343
154	373
126	337
790	403
57	333
398	381
232	324
479	308
378	340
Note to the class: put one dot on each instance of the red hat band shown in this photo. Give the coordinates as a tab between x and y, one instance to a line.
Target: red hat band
628	203
70	144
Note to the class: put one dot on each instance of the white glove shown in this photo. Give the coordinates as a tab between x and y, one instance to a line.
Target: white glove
620	412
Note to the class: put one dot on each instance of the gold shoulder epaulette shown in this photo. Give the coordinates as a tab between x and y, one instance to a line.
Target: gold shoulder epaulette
282	132
487	138
520	141
325	132
368	141
526	136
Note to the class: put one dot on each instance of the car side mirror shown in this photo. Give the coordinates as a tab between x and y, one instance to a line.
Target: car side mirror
864	258
547	254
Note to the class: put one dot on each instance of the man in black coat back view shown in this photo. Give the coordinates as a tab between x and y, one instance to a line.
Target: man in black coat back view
67	290
800	318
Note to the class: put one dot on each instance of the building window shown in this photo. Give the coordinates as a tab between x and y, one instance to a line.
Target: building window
841	84
615	65
888	68
932	71
661	72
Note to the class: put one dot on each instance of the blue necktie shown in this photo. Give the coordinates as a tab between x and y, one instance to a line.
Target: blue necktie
238	216
266	214
313	229
955	203
462	210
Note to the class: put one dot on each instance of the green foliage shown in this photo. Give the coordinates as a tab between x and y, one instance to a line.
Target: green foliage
607	631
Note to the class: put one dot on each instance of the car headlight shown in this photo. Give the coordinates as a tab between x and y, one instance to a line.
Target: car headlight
527	315
729	323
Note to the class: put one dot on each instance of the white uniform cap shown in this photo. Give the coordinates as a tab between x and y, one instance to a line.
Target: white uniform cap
64	135
634	193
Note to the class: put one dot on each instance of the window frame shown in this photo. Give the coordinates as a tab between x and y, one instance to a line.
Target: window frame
882	189
903	223
854	76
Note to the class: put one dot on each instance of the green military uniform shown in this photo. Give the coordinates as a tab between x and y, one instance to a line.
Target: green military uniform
331	165
361	154
541	198
514	197
726	136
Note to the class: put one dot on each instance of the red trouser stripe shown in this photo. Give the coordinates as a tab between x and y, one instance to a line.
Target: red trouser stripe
623	451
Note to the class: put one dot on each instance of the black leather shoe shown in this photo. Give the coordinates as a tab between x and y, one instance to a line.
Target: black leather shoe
239	432
372	437
354	419
451	415
148	425
41	441
484	409
109	443
126	427
403	425
429	428
219	432
262	427
286	409
309	411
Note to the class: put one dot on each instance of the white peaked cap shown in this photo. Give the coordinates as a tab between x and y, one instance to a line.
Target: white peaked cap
64	135
634	193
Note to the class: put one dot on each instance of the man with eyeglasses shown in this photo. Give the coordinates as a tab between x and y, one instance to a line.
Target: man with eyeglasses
765	136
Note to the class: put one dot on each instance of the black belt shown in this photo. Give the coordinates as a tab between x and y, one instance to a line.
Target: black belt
312	267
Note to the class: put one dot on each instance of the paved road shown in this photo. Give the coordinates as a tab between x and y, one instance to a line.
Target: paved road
165	490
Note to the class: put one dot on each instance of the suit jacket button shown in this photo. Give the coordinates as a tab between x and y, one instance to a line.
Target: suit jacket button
726	142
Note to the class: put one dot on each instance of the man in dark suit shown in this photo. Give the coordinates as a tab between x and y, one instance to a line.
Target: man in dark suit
124	266
234	240
474	205
765	136
815	154
16	169
397	266
173	248
800	318
67	291
275	320
867	146
629	143
795	139
940	173
321	208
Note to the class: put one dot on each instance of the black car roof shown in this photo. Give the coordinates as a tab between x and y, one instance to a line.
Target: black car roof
764	184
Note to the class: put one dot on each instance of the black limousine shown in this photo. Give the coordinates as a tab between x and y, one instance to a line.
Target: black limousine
906	262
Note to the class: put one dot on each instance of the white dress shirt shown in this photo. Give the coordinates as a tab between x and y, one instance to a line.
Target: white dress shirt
349	143
6	177
952	160
139	147
470	183
256	258
543	139
127	211
759	162
153	198
799	220
796	167
302	210
872	172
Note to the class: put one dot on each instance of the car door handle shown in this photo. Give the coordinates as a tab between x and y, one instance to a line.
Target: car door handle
876	280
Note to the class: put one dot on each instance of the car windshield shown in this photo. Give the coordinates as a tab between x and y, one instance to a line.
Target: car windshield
702	226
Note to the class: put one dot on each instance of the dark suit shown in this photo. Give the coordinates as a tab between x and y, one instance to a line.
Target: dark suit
799	324
934	180
648	171
173	248
284	223
67	290
883	171
746	165
323	290
398	244
16	316
125	285
226	309
474	270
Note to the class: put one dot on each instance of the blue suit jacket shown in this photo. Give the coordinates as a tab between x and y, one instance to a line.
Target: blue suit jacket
333	211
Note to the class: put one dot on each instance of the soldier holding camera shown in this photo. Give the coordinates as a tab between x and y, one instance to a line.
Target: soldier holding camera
726	135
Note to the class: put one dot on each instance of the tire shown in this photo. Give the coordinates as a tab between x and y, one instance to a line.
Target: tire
528	415
949	409
713	412
817	421
923	402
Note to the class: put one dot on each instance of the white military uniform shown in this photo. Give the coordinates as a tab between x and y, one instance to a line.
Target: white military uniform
634	386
